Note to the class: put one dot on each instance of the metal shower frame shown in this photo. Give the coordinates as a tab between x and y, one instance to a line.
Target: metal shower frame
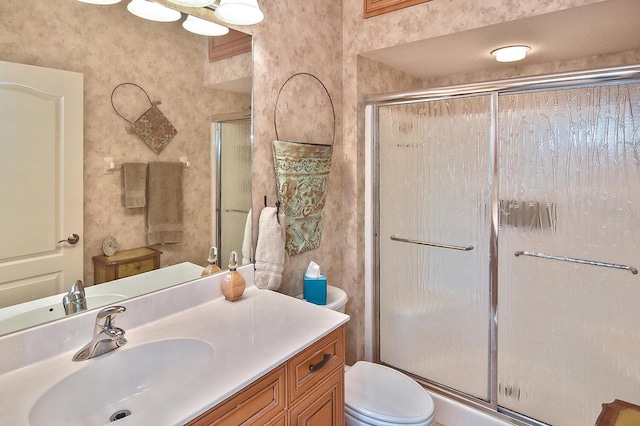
493	88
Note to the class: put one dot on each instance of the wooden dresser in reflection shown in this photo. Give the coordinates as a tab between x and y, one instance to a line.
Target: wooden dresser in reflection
125	263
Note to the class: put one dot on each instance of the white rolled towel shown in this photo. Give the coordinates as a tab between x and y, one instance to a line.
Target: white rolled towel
247	240
270	254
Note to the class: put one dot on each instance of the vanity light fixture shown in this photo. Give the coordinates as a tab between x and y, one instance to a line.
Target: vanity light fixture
239	12
204	27
153	11
100	1
193	3
511	53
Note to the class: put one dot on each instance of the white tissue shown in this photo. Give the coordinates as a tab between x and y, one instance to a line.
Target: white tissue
313	271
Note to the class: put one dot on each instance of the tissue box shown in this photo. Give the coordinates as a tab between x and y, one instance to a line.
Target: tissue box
315	289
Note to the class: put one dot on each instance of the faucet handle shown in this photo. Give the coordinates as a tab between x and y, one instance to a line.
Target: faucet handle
109	313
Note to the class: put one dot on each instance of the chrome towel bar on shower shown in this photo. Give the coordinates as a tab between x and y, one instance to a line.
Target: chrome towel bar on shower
633	270
424	243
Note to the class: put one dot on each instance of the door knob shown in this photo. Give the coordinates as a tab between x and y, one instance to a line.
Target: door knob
72	239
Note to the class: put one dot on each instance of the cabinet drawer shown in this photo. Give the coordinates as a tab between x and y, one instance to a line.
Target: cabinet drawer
315	363
133	268
324	405
257	404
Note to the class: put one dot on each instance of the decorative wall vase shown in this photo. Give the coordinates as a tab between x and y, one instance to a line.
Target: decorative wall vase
153	127
302	175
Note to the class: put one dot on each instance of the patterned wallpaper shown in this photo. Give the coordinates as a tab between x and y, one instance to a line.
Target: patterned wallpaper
110	46
325	39
314	36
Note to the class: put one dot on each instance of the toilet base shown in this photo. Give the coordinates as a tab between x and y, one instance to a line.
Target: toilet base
353	421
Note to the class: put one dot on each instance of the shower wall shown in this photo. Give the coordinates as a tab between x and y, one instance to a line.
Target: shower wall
557	171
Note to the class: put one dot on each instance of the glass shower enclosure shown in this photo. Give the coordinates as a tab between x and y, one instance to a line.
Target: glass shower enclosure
507	228
233	224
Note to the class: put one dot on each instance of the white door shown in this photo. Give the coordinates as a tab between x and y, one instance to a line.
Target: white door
41	136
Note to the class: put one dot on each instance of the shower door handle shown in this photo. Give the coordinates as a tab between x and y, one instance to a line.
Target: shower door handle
430	244
633	270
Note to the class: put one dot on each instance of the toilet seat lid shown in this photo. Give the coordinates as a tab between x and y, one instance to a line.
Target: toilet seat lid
382	393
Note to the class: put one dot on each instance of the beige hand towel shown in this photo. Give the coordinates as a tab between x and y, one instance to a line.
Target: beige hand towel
270	254
135	185
164	208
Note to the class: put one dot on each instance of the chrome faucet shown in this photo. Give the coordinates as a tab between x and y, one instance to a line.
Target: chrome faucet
75	301
106	336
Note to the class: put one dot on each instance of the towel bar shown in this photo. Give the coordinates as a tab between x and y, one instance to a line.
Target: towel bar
438	245
112	167
633	270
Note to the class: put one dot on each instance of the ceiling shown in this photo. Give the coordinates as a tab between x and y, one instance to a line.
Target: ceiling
604	27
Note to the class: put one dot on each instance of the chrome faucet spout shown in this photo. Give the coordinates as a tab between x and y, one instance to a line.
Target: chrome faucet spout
106	336
75	300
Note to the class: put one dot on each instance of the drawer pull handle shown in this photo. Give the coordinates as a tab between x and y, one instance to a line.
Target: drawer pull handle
318	366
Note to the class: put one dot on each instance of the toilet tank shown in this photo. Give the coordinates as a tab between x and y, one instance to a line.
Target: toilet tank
336	299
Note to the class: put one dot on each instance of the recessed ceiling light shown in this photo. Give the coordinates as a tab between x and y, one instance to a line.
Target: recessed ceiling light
511	53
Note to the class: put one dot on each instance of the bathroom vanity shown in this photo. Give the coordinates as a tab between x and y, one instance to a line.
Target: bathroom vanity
307	389
191	358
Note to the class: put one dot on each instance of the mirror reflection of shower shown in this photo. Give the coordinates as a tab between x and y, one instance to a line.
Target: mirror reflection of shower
232	186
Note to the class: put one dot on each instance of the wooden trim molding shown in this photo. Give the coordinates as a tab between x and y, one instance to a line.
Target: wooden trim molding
234	43
378	7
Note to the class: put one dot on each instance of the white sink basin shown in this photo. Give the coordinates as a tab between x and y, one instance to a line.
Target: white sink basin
42	314
128	381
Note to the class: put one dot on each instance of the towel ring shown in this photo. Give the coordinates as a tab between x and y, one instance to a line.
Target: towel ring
333	110
277	208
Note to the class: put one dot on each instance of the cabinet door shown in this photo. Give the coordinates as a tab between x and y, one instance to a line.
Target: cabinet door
258	404
324	406
280	420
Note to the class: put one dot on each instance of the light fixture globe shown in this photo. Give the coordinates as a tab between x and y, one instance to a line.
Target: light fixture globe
153	11
204	27
511	53
105	2
193	3
239	12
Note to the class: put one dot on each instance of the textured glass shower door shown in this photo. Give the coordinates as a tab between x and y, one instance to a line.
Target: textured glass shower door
233	140
435	187
569	335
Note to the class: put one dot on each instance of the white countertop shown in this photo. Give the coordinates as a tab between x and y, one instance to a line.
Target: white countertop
249	337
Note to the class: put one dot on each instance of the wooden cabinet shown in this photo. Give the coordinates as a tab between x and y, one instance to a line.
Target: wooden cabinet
308	389
226	46
378	7
311	366
125	263
322	405
257	404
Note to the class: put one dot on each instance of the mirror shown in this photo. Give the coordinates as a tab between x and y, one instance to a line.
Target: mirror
109	46
233	208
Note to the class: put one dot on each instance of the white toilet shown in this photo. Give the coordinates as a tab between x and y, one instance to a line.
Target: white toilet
381	396
336	299
376	395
